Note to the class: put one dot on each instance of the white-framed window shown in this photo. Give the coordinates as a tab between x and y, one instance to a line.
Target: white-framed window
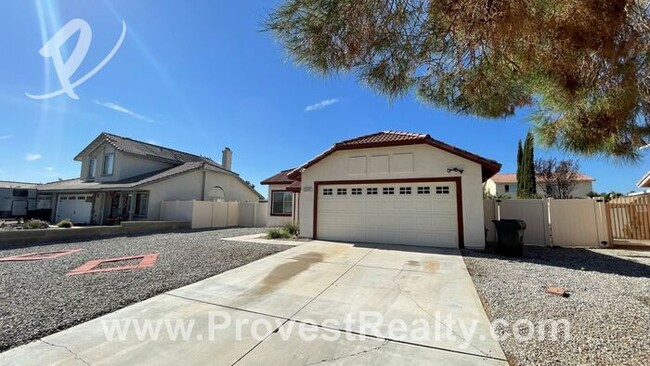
371	191
341	191
424	190
328	191
109	160
404	190
356	191
281	203
388	190
442	190
92	168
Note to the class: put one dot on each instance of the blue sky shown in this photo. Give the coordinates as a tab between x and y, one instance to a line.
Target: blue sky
200	75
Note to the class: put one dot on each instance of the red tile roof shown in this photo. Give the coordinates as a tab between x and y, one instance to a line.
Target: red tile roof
280	178
382	138
396	138
508	178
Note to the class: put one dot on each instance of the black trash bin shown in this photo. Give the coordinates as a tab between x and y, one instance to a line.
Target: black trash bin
510	236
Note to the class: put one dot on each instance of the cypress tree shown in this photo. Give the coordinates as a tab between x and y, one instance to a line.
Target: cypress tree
520	157
529	184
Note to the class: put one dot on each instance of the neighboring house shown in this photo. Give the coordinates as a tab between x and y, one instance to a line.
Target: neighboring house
387	187
125	179
505	185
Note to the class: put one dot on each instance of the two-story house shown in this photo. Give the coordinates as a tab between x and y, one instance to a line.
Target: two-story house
124	179
505	185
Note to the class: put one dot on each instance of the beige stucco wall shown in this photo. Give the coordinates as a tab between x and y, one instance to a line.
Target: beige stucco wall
189	186
428	162
277	220
235	190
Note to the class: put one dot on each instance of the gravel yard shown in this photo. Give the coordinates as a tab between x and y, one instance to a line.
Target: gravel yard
608	307
37	298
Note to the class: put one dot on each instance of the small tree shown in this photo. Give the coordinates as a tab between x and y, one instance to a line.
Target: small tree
558	178
520	158
526	183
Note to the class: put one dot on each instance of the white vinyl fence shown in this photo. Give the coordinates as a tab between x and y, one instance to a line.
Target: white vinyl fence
568	223
210	214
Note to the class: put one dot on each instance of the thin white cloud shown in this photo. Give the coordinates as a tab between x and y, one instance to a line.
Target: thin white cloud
121	109
6	137
153	142
322	104
32	157
49	168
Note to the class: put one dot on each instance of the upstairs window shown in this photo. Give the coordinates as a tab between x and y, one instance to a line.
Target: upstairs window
109	160
92	168
281	203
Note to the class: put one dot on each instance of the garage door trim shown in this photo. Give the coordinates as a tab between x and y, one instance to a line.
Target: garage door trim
455	180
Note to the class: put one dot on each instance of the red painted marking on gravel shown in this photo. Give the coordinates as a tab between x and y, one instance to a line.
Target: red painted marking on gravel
37	256
148	260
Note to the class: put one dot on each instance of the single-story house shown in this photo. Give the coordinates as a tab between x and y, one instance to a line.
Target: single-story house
125	179
505	185
387	187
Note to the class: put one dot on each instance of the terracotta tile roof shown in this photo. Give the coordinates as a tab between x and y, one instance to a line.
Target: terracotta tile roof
382	137
508	178
280	178
141	148
396	138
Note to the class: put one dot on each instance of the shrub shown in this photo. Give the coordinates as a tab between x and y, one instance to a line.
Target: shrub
292	228
278	234
65	223
35	224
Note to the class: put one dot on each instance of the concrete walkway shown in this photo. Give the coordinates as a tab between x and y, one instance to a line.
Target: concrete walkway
318	302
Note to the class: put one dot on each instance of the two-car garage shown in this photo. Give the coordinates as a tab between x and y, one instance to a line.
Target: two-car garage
422	213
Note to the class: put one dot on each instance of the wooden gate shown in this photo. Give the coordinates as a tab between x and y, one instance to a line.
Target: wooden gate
628	218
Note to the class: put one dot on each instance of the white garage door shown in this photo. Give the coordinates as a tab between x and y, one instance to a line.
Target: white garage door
422	214
76	207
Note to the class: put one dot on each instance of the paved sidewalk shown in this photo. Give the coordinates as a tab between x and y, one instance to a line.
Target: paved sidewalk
317	302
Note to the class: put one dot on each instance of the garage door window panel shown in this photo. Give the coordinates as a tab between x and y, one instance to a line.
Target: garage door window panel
281	203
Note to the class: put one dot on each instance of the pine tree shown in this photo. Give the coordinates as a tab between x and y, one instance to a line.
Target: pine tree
520	157
581	66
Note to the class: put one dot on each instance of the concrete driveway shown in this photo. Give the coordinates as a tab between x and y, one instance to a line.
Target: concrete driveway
318	302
